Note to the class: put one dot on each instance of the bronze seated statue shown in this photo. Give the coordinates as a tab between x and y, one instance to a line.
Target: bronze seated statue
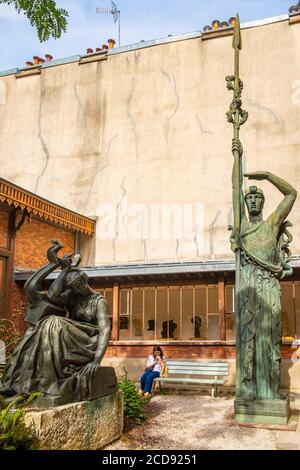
67	336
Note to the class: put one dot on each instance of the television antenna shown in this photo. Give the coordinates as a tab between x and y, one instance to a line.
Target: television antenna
115	12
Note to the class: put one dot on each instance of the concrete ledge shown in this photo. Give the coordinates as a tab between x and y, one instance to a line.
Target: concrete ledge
88	425
96	57
294	19
35	70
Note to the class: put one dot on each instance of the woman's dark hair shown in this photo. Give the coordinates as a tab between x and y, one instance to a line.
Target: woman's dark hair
157	348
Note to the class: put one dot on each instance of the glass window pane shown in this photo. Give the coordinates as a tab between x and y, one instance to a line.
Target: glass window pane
230	327
137	315
162	314
149	331
124	314
108	294
229	299
174	313
200	312
188	329
287	309
4	218
213	299
230	315
213	327
124	302
213	313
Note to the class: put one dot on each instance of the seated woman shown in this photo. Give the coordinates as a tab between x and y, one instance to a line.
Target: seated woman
155	366
66	340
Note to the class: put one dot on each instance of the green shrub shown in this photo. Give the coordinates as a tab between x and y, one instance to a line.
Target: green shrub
14	435
9	333
134	405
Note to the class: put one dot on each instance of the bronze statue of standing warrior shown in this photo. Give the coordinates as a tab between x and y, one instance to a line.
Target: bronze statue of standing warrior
67	336
262	256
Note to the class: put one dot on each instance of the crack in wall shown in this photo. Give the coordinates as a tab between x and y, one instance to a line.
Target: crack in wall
83	119
262	108
196	240
133	121
114	250
211	234
177	248
230	217
117	226
143	240
144	245
201	126
169	118
99	170
41	138
137	57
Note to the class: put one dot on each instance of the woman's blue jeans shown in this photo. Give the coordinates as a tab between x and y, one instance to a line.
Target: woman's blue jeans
147	381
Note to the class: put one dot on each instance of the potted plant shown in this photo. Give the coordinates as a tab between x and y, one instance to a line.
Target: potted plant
216	24
111	43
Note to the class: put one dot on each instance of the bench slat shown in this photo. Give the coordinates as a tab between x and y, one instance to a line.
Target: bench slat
195	372
196	368
221	364
182	380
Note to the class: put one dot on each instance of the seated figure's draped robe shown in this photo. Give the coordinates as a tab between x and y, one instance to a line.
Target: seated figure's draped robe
54	355
260	311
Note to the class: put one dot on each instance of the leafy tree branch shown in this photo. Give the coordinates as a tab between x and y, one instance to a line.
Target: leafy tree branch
44	16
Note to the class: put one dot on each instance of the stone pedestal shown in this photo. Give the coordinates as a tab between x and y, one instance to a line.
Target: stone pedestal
104	383
88	425
262	411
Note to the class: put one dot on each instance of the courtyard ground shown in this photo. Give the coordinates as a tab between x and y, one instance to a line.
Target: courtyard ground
193	421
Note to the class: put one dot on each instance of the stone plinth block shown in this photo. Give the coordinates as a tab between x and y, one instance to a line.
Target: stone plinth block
262	411
88	425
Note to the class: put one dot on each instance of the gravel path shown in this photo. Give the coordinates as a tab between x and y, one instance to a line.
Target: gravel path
192	421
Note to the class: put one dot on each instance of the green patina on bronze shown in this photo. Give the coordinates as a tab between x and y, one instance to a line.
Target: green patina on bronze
262	256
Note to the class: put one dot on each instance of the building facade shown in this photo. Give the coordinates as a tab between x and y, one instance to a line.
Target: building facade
137	138
28	224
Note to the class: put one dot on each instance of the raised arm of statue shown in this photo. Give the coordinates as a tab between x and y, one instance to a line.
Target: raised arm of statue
57	293
290	194
34	285
105	331
237	191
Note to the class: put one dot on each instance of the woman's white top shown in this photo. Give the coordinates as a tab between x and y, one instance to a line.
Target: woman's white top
157	367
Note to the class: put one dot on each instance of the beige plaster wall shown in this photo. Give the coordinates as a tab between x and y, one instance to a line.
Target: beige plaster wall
148	127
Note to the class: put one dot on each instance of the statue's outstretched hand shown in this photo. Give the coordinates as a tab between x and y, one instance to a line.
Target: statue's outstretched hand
257	175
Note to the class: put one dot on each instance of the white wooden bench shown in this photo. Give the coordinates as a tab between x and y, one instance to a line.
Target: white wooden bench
207	372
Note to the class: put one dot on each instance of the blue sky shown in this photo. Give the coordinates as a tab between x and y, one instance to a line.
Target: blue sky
141	19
